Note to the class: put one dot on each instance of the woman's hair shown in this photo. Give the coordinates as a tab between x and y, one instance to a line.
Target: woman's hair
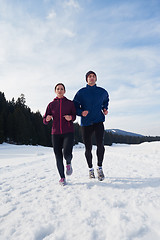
60	84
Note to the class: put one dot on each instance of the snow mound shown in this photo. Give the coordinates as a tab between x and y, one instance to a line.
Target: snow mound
125	206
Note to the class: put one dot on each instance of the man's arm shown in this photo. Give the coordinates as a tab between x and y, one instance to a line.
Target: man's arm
77	104
105	103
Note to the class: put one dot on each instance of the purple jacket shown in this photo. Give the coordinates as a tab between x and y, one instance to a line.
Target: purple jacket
57	109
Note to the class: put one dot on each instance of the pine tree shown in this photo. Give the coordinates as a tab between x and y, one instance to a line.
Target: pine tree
1	128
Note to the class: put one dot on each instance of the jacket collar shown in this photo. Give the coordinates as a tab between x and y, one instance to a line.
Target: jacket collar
91	87
63	99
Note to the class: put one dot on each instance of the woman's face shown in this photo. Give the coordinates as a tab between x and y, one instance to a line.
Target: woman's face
60	91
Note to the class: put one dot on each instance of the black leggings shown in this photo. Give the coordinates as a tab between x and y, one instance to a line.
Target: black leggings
62	146
87	132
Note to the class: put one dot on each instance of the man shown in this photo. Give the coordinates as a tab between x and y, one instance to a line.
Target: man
91	104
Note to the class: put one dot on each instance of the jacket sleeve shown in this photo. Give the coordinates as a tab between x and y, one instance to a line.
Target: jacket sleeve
105	101
73	112
77	104
48	112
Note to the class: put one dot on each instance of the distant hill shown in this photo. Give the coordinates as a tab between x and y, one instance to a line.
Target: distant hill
122	132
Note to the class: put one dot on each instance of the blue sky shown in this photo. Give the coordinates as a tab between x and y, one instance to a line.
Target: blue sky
44	42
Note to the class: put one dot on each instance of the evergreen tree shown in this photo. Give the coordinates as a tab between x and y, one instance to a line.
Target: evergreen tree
1	128
21	100
2	102
21	126
40	129
10	127
77	134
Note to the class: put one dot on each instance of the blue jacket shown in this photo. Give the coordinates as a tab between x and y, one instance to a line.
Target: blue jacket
93	99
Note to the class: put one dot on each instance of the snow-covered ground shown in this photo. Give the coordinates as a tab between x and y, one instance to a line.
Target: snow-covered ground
125	206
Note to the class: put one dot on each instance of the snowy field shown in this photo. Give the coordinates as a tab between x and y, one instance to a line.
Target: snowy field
125	206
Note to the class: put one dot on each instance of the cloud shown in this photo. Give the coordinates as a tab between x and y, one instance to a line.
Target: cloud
51	15
66	39
72	3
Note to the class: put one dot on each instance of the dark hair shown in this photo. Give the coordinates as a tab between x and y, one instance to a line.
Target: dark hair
60	84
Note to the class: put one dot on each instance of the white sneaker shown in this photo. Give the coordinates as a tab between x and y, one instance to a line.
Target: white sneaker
62	181
100	174
91	173
69	169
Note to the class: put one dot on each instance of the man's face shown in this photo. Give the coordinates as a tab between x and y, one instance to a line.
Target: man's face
91	80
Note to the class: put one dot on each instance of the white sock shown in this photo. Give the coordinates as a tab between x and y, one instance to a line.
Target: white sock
99	167
91	169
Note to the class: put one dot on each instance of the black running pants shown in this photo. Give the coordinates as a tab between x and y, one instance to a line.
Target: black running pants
87	132
62	146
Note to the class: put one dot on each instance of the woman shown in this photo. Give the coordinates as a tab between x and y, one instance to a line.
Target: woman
62	111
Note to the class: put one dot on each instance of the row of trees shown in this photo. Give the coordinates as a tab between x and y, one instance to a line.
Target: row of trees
19	125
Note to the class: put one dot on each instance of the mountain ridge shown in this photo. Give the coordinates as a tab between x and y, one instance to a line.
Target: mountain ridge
124	133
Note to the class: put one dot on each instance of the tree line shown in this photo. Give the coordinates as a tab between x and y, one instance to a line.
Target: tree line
19	125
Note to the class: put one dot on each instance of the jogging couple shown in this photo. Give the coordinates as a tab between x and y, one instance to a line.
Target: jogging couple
91	103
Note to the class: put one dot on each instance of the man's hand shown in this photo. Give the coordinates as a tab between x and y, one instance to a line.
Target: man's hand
48	118
68	117
84	113
105	111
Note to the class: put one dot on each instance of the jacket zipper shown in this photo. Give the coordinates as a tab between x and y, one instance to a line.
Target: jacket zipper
61	116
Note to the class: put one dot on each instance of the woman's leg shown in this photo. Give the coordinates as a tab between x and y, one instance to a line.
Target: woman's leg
68	146
57	142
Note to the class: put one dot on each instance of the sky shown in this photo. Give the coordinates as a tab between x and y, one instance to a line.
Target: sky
43	42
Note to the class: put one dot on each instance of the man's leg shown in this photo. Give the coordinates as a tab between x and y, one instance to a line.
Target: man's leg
99	134
87	134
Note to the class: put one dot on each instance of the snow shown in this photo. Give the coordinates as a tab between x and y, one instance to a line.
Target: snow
125	206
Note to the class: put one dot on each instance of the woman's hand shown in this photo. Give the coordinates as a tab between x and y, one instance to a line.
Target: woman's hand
48	118
68	117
